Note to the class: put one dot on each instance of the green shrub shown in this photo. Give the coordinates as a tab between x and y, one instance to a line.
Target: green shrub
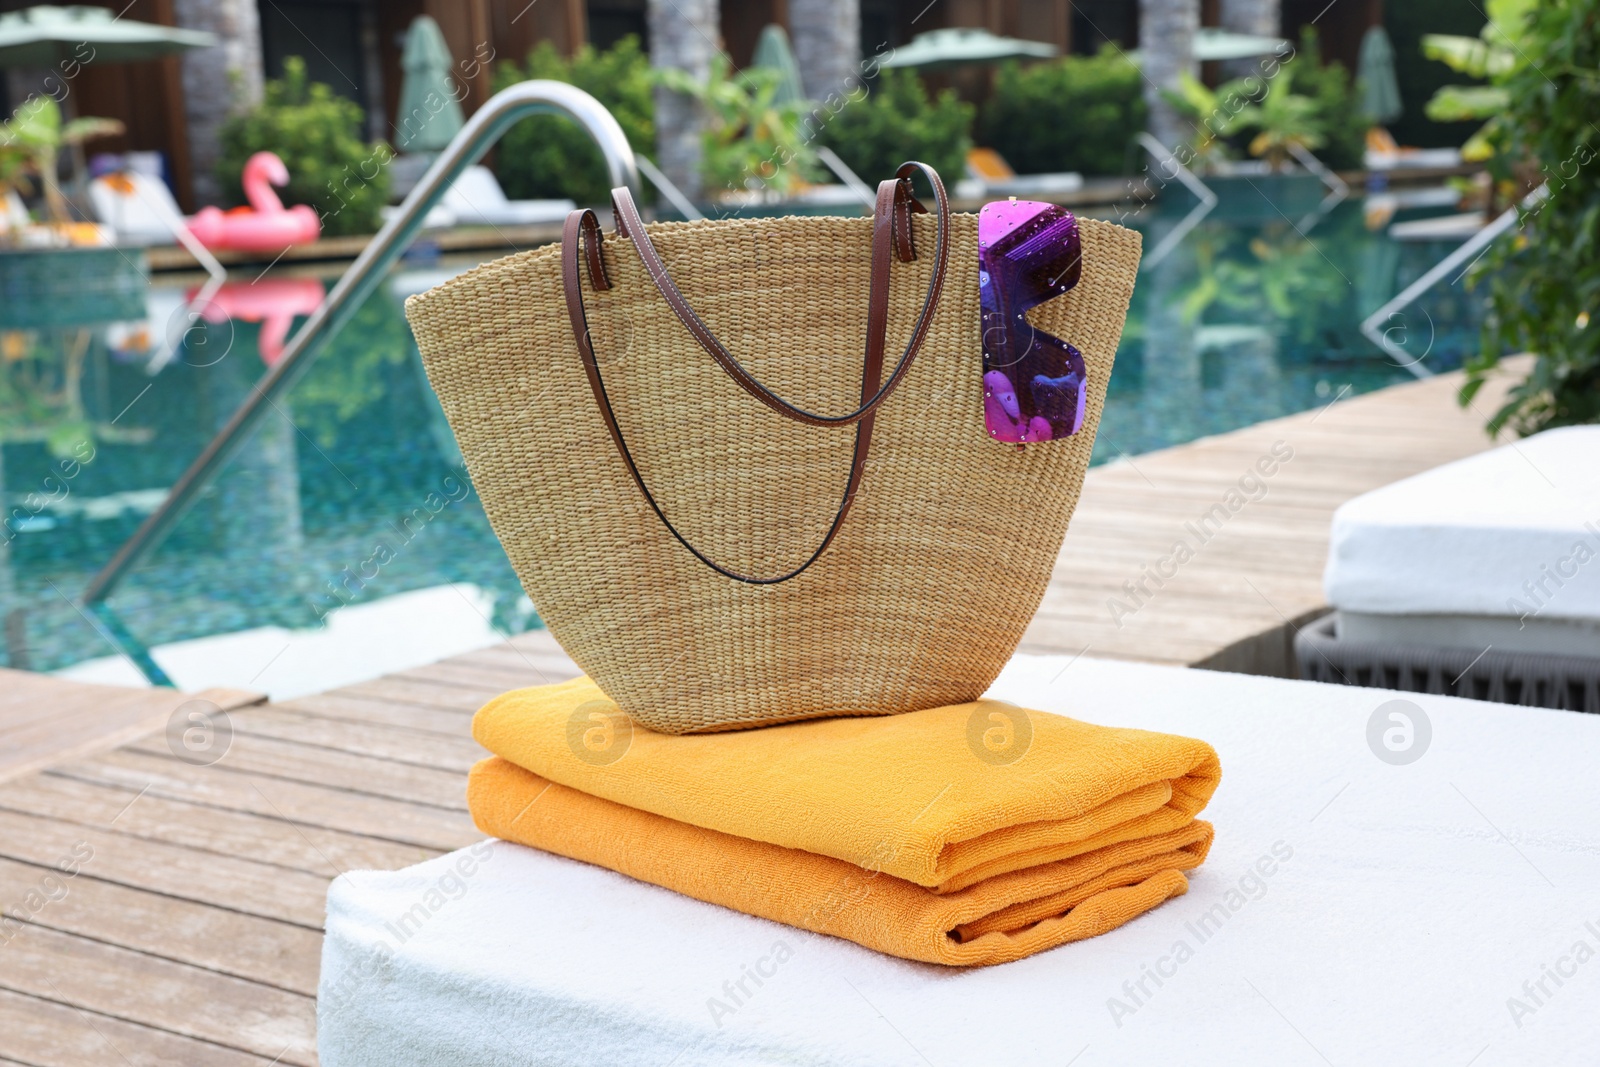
1337	110
897	121
1074	113
753	139
548	156
1544	285
317	134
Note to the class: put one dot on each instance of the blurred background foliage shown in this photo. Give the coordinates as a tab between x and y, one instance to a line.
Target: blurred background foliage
550	157
1544	283
898	120
1074	113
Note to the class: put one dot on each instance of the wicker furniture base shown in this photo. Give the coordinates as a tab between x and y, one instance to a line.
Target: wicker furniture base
1570	683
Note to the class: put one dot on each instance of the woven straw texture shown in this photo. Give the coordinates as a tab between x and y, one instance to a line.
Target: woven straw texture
935	573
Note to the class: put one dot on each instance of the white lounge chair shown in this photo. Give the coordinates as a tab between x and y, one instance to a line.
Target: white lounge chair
476	199
989	175
1485	561
1361	908
138	207
1382	153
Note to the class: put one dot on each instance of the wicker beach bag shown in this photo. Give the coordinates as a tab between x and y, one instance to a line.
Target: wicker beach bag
724	512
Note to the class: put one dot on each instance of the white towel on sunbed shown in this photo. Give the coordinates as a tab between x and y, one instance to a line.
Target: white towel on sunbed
1351	910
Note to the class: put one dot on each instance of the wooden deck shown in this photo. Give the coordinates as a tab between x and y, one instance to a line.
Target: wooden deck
1254	569
162	912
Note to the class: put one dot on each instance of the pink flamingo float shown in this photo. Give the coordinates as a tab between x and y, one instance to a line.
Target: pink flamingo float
273	302
266	225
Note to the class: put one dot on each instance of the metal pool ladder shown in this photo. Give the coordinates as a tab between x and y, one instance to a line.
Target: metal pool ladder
485	127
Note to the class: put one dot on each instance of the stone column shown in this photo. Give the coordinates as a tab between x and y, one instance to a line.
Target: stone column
217	80
827	43
684	35
1166	41
1264	18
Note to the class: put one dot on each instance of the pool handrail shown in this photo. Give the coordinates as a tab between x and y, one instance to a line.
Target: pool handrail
1376	325
1206	196
481	131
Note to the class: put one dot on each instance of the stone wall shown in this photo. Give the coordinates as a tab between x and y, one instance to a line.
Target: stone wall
217	80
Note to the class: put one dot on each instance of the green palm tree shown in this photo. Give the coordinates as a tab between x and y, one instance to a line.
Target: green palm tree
1283	119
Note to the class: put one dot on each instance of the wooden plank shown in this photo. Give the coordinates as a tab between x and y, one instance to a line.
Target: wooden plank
351	772
399	744
491	681
184	1000
228	942
39	1032
343	707
265	839
46	720
303	805
203	877
421	693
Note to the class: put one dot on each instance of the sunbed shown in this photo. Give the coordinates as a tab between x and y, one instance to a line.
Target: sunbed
1478	578
1351	911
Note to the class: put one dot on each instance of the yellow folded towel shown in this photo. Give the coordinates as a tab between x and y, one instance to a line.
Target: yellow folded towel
998	920
917	796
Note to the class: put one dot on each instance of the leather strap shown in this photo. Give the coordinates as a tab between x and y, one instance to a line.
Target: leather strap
891	237
891	220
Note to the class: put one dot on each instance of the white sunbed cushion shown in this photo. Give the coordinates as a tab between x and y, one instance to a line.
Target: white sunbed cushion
1369	913
136	206
1510	532
476	199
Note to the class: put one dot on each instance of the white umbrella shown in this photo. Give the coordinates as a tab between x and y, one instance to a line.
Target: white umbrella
45	36
938	49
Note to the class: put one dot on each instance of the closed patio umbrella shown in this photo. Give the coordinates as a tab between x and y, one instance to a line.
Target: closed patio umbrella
430	114
46	36
1380	92
773	53
942	49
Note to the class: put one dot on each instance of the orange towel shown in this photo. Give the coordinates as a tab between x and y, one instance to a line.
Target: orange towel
945	798
1002	918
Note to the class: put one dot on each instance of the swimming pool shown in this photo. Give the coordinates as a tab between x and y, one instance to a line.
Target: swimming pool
344	542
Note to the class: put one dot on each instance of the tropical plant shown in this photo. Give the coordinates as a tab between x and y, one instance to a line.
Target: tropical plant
13	160
1283	120
31	142
1545	285
317	134
548	156
1261	278
1337	105
1205	109
895	121
1075	113
753	140
42	375
1492	54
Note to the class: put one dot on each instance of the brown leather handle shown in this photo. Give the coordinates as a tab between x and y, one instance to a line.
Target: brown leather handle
891	225
891	237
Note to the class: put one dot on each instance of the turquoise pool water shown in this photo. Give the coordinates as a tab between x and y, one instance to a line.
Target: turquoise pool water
1251	315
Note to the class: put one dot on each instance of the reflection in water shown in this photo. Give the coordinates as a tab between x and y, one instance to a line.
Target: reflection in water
331	506
1257	313
275	303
